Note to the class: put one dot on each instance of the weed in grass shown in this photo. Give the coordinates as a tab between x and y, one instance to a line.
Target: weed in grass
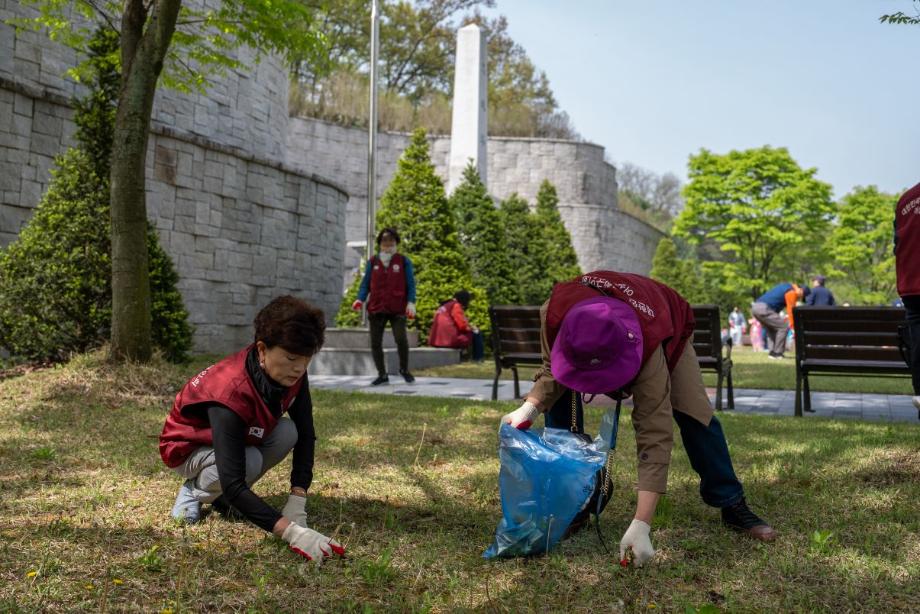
705	609
151	561
44	453
379	571
664	513
821	540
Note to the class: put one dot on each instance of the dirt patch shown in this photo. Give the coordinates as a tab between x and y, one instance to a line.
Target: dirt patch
894	467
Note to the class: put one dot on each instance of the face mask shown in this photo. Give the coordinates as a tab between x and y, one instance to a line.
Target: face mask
386	256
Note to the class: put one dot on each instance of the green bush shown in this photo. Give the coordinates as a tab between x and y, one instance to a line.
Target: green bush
482	238
55	279
526	250
558	255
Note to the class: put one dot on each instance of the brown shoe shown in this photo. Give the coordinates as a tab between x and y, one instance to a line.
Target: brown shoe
739	517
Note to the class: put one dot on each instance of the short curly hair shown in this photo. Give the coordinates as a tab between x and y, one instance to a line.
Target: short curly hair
292	323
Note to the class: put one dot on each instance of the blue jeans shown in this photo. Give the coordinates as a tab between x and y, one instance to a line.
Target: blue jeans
912	307
478	347
705	445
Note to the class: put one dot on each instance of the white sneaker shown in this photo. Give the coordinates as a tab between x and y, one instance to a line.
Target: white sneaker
917	403
187	508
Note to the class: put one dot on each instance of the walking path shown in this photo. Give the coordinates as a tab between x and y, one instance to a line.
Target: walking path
861	406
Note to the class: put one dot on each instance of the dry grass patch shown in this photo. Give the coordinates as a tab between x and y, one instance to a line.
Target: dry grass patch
85	502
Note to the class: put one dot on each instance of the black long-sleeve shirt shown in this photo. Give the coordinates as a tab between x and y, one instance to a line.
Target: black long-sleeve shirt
228	433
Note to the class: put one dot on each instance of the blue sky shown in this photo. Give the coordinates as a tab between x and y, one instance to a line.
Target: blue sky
654	81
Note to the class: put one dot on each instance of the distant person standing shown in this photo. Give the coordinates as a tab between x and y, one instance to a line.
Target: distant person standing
737	325
907	265
390	281
756	335
767	307
820	296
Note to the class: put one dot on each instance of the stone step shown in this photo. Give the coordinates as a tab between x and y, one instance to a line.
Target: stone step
345	361
360	338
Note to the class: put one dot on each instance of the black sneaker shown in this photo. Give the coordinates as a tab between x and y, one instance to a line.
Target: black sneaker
381	379
407	376
739	517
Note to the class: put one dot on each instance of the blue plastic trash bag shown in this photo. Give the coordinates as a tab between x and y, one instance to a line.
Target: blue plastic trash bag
547	477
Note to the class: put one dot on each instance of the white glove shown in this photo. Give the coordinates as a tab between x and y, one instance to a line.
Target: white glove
295	510
522	417
310	544
636	537
410	310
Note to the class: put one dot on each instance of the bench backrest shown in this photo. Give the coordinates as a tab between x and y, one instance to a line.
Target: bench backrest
515	329
707	336
848	333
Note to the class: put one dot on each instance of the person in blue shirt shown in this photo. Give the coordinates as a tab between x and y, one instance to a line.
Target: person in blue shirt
390	281
766	310
820	295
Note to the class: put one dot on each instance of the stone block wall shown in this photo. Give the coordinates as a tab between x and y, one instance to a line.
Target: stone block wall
240	225
242	231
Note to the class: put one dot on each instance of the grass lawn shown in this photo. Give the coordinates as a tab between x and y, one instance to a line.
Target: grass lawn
750	370
85	502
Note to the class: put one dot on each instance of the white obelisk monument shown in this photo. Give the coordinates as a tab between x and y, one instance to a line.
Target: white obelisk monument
469	125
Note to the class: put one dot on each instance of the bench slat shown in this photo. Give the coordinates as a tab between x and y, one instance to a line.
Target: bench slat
850	366
879	338
851	353
511	346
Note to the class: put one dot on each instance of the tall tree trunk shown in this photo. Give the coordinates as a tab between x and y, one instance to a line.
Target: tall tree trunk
143	50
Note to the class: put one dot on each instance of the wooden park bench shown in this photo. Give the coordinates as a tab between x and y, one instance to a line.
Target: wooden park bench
516	341
846	341
711	353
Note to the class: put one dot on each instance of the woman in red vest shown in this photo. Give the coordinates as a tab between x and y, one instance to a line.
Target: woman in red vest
451	329
390	281
619	333
227	428
907	266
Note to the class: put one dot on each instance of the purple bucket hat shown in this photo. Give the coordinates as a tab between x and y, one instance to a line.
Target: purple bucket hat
599	346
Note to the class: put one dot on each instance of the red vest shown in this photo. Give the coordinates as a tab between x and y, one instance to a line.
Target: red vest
664	316
227	384
907	242
388	286
444	330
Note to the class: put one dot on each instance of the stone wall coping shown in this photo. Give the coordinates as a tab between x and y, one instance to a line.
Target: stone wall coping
46	95
432	136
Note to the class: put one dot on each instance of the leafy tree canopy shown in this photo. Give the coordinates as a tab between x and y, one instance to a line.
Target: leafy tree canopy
753	206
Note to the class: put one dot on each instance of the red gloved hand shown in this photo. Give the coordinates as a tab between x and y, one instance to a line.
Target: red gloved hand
357	305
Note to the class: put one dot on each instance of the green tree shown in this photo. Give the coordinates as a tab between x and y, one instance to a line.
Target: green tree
861	245
902	18
754	206
483	239
55	279
415	204
681	274
204	41
525	249
557	252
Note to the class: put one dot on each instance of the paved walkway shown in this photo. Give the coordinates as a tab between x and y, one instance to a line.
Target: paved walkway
890	407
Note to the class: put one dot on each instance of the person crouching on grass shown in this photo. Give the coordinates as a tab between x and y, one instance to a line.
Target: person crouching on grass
608	331
227	428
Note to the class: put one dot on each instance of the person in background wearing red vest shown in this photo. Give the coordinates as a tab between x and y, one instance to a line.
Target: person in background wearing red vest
451	329
907	265
619	333
227	428
391	283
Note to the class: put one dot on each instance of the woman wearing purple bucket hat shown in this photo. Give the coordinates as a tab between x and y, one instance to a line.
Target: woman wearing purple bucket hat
606	332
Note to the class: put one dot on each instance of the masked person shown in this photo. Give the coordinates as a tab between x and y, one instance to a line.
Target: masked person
606	332
227	428
390	281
